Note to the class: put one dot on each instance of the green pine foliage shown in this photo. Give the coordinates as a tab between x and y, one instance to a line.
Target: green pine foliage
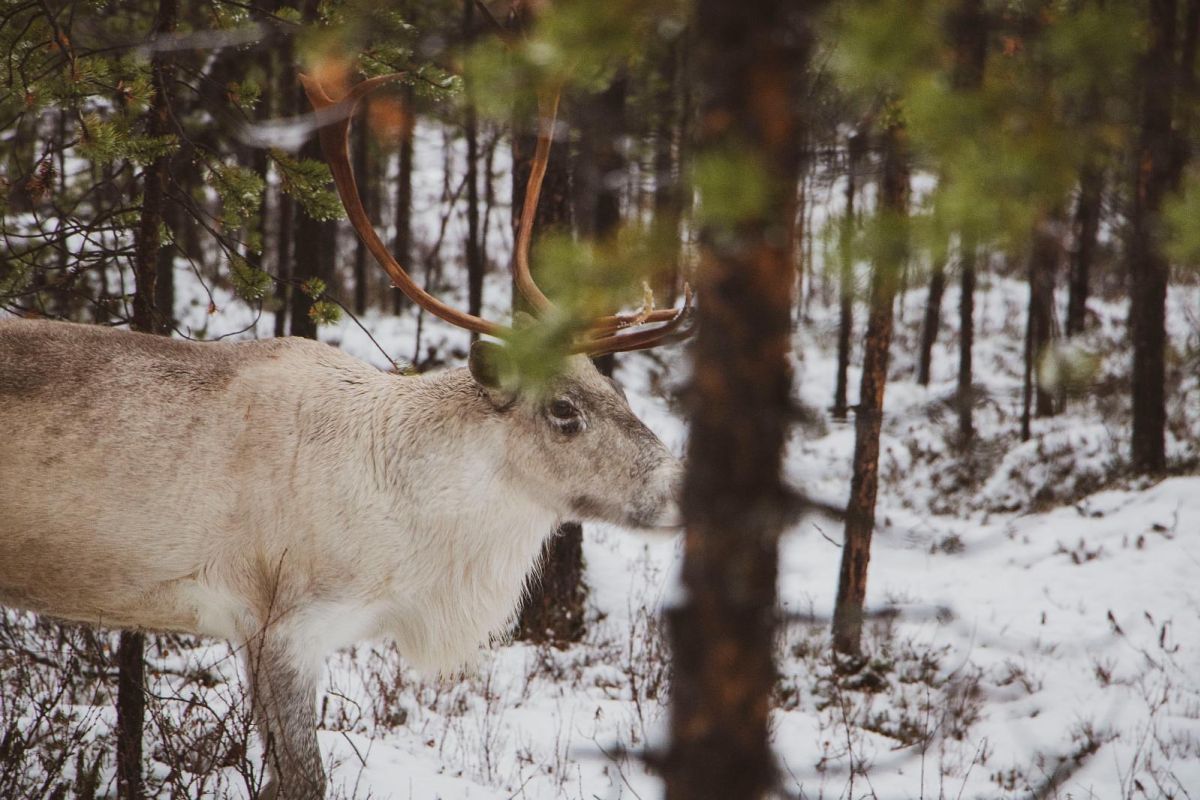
309	182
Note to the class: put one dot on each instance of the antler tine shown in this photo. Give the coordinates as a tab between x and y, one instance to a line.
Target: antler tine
646	337
522	275
334	118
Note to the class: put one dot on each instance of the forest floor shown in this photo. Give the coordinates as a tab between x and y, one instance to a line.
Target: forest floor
1035	613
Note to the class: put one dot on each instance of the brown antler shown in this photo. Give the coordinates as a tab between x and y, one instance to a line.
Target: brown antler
334	117
602	337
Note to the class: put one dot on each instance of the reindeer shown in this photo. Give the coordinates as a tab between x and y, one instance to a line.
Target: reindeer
294	500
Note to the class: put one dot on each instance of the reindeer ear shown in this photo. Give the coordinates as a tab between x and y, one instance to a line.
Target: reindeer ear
493	368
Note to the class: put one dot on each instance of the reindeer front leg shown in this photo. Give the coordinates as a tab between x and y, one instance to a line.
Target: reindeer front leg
284	696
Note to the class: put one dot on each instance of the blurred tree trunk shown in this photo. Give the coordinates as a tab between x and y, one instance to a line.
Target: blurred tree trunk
964	395
668	201
1087	228
403	244
1160	157
366	180
553	610
855	148
751	60
933	319
147	318
868	421
1039	329
597	169
967	26
475	262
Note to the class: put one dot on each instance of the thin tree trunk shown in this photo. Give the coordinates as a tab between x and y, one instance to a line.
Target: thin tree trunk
284	83
145	265
1087	227
366	180
965	394
475	263
860	511
797	232
310	238
403	244
164	282
933	320
131	696
1043	269
596	171
1158	163
667	201
306	258
854	152
968	32
751	58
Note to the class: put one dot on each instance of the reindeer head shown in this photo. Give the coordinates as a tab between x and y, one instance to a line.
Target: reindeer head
573	439
574	444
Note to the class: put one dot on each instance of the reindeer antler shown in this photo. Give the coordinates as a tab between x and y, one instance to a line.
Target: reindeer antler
334	117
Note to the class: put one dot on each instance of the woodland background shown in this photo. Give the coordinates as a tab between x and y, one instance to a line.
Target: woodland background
945	253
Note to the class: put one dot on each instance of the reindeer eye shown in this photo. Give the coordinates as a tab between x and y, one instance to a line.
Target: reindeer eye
563	410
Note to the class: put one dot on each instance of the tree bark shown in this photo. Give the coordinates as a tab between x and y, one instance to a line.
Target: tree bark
366	179
967	29
313	238
854	152
1087	227
1039	329
403	244
751	60
668	203
475	262
154	183
1158	164
597	169
933	320
868	422
306	258
964	399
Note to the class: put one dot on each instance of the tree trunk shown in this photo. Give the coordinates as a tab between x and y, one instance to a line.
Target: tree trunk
854	152
306	258
964	398
1157	168
1087	227
475	263
554	606
146	245
868	422
147	318
403	244
933	320
668	203
596	171
1039	328
751	59
366	180
968	31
